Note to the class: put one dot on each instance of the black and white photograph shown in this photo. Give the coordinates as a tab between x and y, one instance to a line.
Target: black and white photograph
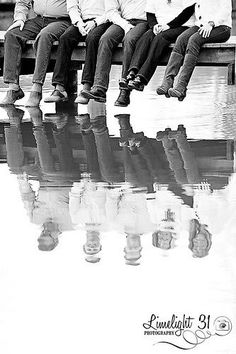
118	176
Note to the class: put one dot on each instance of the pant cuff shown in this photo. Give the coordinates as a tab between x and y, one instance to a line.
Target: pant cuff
101	87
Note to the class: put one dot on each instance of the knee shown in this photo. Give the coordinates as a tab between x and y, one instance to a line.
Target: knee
91	39
194	44
9	35
106	41
44	37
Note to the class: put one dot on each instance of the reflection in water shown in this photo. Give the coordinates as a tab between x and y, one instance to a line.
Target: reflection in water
72	175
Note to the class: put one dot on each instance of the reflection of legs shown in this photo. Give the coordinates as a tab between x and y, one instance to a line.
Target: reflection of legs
64	151
153	162
107	164
14	147
175	160
44	150
92	155
190	163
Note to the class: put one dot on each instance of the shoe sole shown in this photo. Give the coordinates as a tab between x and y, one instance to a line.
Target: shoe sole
117	104
48	100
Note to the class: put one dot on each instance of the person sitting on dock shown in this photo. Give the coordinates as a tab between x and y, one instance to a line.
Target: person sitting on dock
50	22
88	24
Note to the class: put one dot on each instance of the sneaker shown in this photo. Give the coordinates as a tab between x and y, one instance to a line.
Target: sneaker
96	93
81	98
123	99
34	99
57	96
123	83
136	84
11	97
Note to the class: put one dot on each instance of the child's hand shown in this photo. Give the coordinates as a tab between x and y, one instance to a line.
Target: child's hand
205	30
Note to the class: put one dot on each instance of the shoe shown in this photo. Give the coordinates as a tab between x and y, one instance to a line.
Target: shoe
136	84
11	97
81	98
131	76
123	99
175	93
161	90
123	83
57	96
96	93
59	120
34	99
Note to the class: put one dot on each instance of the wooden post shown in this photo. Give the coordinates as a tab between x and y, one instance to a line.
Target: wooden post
231	73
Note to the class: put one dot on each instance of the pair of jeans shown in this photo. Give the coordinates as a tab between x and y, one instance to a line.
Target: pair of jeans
188	45
149	50
45	31
108	42
190	42
68	41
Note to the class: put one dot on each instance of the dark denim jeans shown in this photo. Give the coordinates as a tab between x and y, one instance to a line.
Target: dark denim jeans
190	41
108	42
45	31
150	48
68	41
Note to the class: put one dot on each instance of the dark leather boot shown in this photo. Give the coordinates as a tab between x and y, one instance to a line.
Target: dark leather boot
123	99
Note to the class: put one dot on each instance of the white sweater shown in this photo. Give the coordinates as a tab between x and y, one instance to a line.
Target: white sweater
166	12
120	11
219	11
80	10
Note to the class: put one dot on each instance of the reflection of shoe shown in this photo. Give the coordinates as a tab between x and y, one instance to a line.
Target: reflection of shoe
96	93
34	99
15	115
81	98
36	116
175	93
175	134
123	99
57	96
59	120
11	97
162	134
84	121
136	84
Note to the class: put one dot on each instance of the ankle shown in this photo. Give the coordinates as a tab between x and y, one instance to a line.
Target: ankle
37	87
